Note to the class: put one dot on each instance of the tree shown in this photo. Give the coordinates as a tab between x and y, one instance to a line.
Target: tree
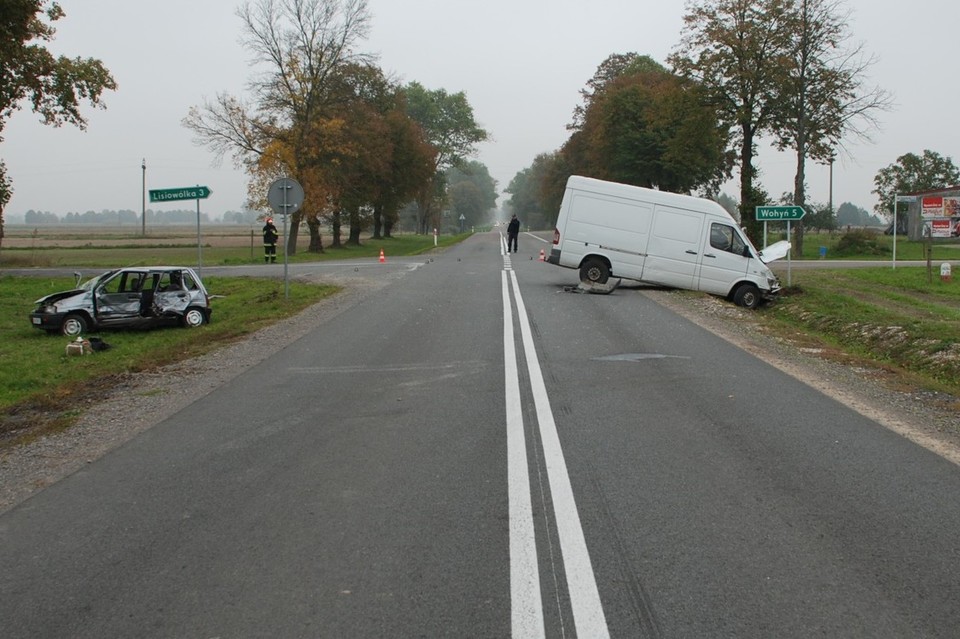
54	87
736	51
473	193
450	128
649	128
615	66
534	194
911	174
302	44
851	215
823	94
412	164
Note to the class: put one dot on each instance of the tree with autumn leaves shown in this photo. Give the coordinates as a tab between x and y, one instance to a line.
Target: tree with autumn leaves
324	114
639	124
54	87
786	71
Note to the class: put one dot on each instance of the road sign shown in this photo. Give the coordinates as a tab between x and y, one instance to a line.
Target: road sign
185	193
776	213
285	196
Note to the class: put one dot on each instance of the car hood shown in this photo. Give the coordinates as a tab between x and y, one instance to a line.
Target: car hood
775	251
56	297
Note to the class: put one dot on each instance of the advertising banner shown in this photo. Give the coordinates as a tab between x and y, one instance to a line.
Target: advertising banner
940	227
938	206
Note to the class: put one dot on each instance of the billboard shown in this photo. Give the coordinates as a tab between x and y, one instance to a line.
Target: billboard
939	206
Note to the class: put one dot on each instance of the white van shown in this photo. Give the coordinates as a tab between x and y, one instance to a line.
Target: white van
608	230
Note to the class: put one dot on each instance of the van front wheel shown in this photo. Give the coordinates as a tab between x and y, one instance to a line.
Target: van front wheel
594	271
747	296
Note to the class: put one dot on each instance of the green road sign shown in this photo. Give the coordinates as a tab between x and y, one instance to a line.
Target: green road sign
186	193
776	213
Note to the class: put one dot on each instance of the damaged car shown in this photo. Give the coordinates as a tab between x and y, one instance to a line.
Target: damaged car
135	297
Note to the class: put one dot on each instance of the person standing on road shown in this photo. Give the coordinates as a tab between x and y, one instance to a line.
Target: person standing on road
513	230
270	237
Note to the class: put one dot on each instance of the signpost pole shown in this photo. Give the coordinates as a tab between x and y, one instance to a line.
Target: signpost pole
143	217
896	198
789	255
783	213
199	244
285	197
286	207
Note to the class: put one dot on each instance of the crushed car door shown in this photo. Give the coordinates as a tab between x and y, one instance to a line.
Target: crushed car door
173	291
120	296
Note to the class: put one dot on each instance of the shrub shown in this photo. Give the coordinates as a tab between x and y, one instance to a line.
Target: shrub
860	242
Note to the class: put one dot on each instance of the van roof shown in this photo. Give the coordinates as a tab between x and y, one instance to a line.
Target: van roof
639	192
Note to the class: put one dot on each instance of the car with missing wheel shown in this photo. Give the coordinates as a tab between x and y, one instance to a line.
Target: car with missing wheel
609	230
134	297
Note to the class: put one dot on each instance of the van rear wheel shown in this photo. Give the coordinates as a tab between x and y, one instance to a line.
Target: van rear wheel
747	296
594	271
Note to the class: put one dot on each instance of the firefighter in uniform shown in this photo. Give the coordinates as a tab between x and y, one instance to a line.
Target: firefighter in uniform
270	237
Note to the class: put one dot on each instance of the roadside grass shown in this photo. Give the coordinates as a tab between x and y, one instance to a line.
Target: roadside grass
943	249
41	388
98	253
900	318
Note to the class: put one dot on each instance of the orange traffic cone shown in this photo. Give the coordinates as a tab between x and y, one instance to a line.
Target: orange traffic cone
382	258
541	255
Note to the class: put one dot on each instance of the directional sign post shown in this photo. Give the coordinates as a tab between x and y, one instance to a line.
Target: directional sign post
186	193
778	214
285	196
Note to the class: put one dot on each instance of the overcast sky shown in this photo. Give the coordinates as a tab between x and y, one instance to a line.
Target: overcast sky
521	64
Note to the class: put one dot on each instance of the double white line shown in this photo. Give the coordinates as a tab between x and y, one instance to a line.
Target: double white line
526	600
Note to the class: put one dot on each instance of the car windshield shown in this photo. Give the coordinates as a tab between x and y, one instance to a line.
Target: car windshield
95	281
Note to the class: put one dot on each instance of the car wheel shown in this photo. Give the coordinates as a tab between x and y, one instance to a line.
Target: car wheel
193	317
594	271
747	296
73	325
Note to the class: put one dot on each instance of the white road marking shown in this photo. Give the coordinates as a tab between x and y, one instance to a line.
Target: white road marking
588	615
526	610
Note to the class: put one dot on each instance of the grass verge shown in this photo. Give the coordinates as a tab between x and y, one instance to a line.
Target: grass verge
895	317
40	386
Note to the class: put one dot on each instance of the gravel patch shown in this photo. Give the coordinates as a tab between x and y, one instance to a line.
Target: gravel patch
930	419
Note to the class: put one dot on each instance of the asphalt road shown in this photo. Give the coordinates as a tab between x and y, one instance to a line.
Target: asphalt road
476	451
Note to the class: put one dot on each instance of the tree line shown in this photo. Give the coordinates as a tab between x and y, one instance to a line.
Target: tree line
783	70
322	112
133	218
318	110
367	148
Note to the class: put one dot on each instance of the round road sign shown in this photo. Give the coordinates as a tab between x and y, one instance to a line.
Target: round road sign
285	196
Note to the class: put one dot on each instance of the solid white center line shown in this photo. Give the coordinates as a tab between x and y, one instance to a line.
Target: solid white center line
581	583
526	603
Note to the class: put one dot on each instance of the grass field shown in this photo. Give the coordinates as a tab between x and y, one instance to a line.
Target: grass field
220	245
897	317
